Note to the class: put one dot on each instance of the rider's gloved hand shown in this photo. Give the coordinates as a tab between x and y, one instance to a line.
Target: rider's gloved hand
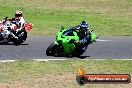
77	43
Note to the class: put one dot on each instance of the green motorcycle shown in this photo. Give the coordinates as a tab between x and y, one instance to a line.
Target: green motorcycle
65	43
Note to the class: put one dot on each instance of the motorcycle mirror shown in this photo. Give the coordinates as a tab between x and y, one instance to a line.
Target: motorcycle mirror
62	27
5	18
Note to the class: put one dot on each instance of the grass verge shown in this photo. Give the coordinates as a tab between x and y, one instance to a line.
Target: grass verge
106	17
32	74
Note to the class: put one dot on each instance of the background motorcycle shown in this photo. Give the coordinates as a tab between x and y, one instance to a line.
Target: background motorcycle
8	32
64	44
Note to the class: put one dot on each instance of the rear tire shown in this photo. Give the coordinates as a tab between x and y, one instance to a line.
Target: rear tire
52	49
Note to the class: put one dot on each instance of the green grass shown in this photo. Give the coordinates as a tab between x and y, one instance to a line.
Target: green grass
28	68
33	74
105	17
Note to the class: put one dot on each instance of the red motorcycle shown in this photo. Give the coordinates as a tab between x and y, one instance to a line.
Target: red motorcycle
8	32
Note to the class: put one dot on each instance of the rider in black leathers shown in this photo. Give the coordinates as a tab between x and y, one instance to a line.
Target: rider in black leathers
83	32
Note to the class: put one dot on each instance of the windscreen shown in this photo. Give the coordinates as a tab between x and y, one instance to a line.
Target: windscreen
68	33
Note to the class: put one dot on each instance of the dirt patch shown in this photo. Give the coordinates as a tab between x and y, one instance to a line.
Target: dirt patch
65	80
14	84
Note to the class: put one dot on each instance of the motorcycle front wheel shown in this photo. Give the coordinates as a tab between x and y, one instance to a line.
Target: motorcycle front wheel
21	39
52	50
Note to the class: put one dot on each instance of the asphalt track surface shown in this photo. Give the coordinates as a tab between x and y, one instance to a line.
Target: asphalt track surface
35	46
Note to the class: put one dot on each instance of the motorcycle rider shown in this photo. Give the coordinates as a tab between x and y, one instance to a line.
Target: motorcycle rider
83	32
19	21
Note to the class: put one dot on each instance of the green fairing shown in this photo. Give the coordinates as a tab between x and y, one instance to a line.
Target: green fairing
64	40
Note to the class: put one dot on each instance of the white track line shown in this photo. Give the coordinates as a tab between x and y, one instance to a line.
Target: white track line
7	60
102	40
105	59
46	60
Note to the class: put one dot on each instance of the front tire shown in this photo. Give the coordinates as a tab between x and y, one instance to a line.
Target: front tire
52	50
21	39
